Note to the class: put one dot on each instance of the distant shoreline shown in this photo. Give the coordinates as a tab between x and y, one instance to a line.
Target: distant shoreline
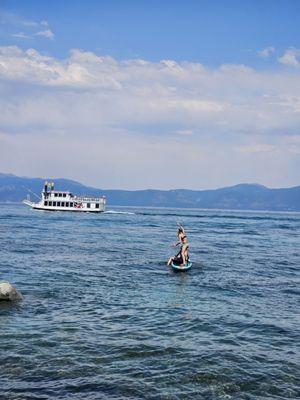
241	197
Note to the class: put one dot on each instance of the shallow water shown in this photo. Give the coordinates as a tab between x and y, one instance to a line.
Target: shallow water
104	318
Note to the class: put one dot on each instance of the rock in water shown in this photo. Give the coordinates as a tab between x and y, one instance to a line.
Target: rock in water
8	292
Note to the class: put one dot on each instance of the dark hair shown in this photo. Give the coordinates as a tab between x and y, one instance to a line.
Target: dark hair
180	230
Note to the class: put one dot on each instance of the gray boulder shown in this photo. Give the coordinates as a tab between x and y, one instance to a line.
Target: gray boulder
8	292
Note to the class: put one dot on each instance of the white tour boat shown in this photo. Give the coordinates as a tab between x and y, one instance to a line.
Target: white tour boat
57	200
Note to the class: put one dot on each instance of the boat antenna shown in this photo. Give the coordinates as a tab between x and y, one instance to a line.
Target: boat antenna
31	192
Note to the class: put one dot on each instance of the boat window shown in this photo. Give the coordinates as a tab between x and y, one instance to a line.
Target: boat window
88	205
58	204
54	203
45	203
97	205
67	204
50	203
71	204
59	194
64	194
63	204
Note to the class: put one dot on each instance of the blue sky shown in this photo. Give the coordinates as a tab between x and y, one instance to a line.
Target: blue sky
210	32
129	88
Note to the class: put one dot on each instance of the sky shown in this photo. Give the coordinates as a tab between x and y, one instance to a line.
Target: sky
151	94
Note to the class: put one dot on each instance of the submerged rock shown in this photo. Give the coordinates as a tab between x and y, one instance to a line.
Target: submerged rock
8	292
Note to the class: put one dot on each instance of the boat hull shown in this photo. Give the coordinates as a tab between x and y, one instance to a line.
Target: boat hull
67	209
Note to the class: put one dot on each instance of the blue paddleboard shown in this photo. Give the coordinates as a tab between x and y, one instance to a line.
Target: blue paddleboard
182	268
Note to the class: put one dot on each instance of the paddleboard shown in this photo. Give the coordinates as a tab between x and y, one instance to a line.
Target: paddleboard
182	268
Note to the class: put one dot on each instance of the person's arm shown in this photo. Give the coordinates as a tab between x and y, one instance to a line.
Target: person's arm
181	227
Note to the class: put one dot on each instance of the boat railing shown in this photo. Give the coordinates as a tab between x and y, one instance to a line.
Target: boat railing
83	198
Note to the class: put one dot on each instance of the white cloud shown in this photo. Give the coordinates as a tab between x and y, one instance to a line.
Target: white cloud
267	52
285	144
292	139
121	123
257	148
8	18
185	132
44	23
292	143
29	27
47	33
290	57
230	98
21	35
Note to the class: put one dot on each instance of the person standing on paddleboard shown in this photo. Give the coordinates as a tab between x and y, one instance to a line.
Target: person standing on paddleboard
182	256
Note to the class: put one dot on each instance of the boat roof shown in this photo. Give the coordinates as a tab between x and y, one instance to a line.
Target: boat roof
60	191
78	196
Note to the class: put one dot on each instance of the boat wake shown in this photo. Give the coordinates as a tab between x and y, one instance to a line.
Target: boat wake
118	212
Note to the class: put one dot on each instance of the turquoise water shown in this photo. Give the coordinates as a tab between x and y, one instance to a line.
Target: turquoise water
104	318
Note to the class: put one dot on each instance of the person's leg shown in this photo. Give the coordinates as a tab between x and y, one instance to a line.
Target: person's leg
170	260
182	256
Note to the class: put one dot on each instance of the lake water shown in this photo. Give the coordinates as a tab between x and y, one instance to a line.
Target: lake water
104	318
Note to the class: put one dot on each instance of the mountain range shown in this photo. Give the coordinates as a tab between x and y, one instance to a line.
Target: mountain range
239	197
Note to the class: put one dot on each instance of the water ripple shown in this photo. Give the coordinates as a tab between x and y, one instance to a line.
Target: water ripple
103	317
